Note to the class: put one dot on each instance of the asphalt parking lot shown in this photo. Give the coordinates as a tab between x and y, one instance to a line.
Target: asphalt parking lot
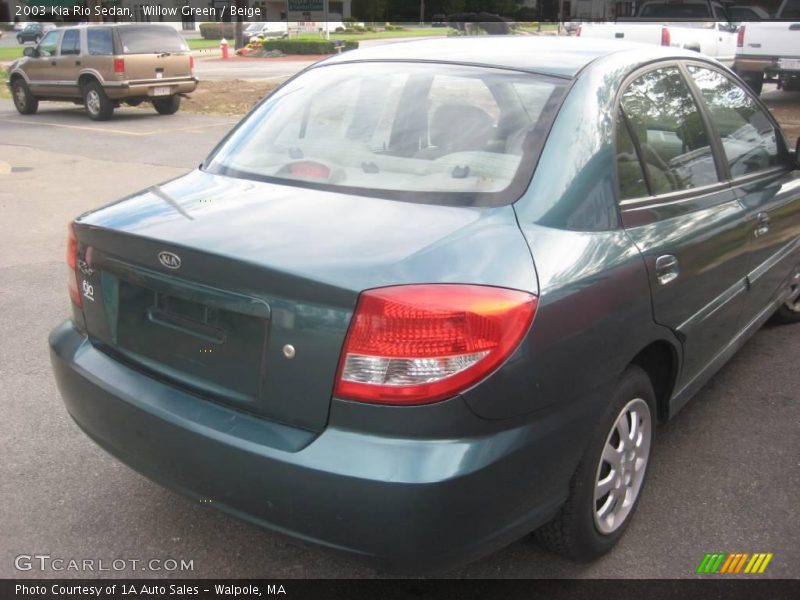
725	475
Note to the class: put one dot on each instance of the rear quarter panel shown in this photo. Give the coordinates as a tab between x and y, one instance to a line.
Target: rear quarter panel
595	311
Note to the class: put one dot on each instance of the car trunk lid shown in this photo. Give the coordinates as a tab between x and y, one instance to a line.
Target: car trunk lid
243	291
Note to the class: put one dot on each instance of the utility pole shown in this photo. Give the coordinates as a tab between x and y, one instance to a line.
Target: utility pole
92	6
421	11
237	26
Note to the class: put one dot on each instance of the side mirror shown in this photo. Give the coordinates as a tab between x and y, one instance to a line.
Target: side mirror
30	52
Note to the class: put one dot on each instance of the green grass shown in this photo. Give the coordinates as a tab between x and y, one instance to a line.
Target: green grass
375	35
201	44
11	53
535	29
3	89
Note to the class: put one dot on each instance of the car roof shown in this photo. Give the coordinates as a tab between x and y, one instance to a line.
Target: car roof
550	55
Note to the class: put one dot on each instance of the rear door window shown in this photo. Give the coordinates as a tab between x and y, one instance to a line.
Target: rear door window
667	128
748	135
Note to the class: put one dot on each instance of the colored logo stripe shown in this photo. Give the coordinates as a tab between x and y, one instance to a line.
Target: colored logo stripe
723	563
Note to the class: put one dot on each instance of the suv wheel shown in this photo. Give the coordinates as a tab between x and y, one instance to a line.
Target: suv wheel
168	105
26	103
97	104
607	484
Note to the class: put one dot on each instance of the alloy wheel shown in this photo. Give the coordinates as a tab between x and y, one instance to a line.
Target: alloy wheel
20	97
793	303
93	102
622	466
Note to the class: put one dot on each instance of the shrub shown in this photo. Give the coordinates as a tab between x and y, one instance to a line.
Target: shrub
349	20
307	46
215	31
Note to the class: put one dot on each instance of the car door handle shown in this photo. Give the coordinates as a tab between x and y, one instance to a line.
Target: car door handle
667	269
77	63
52	62
762	225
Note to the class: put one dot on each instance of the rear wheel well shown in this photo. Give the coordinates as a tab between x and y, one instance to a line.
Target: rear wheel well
16	77
85	80
659	360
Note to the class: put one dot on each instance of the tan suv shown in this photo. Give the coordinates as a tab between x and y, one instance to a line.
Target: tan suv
103	66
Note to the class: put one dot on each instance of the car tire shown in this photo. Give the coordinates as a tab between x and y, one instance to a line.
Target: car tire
755	81
789	312
168	105
25	102
98	105
603	497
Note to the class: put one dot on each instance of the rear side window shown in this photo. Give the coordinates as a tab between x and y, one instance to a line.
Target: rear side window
71	42
150	39
632	182
667	129
748	136
99	41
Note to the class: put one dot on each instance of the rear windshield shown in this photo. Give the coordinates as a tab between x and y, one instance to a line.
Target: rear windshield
432	133
790	10
148	39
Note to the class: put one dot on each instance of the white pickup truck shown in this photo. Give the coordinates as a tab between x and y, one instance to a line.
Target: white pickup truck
695	25
771	49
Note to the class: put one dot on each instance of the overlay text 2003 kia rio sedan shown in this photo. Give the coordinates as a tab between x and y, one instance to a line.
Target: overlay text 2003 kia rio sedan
414	309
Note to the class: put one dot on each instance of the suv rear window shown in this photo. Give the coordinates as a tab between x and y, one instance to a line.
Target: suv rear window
150	39
441	134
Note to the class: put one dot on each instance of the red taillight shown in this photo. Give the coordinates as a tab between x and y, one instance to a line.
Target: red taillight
119	65
578	31
191	62
72	265
665	37
740	37
416	344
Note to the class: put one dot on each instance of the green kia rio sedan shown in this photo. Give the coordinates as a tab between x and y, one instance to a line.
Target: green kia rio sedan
429	297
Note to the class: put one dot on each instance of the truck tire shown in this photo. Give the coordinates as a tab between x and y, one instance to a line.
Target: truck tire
168	105
754	80
98	105
24	101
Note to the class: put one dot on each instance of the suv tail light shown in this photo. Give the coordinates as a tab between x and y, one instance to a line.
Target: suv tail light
665	37
72	265
740	37
119	65
191	62
578	31
416	344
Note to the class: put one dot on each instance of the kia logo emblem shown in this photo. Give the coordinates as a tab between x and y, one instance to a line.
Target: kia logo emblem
169	260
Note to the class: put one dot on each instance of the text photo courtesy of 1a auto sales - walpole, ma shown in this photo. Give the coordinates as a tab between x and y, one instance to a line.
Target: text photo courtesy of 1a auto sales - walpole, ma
356	298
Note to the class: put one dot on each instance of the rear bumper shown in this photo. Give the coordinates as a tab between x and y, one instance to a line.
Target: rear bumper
137	89
408	504
760	64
